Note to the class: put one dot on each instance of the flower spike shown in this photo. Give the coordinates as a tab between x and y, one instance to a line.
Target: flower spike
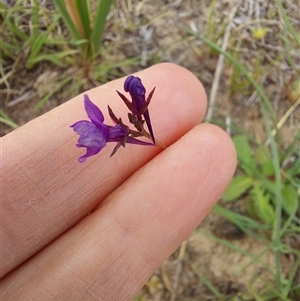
139	105
94	134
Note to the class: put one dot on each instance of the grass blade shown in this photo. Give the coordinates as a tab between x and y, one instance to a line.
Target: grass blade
84	15
4	118
35	19
67	20
55	58
99	23
38	43
287	22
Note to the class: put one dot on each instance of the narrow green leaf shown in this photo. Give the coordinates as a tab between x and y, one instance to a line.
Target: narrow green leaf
8	122
67	19
55	58
9	49
99	23
12	26
245	223
4	118
35	49
237	187
85	17
38	43
35	18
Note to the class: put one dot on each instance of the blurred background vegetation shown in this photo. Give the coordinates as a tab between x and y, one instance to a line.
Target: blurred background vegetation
246	53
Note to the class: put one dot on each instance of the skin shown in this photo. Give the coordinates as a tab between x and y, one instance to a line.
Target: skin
98	230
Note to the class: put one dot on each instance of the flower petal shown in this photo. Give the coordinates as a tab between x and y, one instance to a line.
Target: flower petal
81	126
134	85
92	137
117	133
93	111
89	152
137	91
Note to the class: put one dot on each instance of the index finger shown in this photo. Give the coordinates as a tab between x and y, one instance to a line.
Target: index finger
46	191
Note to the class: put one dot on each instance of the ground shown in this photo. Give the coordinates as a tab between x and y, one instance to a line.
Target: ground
149	32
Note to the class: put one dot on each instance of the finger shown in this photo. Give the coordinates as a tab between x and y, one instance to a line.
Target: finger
46	191
111	253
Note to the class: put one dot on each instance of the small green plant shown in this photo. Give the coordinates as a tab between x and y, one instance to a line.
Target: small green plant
35	35
258	177
23	37
35	32
86	29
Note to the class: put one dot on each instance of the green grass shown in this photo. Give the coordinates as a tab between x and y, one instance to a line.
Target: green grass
5	119
270	189
83	25
34	35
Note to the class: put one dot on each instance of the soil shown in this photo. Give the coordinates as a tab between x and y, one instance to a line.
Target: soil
159	31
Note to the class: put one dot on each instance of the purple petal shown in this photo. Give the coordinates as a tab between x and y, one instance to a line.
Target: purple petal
92	137
137	91
127	82
134	85
117	133
93	111
89	152
81	126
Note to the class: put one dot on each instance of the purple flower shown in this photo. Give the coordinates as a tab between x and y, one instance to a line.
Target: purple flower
139	104
95	134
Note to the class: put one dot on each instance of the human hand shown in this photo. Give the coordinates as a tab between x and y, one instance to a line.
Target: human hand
98	230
